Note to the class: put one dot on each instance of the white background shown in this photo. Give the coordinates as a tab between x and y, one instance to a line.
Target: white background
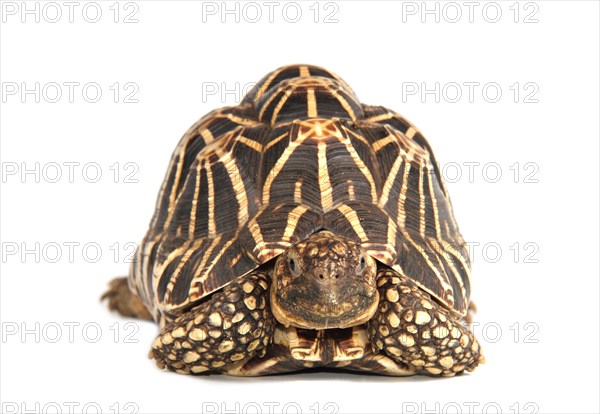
538	302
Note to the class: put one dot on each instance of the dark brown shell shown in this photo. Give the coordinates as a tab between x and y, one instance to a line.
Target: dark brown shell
298	155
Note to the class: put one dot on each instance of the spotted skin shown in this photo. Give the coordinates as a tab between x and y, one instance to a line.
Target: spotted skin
233	325
412	328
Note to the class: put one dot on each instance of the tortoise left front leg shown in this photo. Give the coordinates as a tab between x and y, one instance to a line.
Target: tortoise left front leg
411	328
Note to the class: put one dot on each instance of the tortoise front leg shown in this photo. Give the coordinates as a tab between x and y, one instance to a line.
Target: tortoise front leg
232	326
411	328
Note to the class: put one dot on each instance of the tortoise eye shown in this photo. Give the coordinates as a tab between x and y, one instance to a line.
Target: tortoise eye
362	263
293	265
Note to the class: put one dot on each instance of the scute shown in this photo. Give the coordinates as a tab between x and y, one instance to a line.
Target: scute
299	154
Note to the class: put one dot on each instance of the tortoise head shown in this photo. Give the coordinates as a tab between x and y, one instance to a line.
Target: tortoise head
323	282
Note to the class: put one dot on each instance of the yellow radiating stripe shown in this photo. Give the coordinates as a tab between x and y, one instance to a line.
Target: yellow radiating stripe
410	132
352	217
351	195
237	183
145	268
236	258
381	117
391	236
212	226
275	141
292	222
344	103
389	181
421	204
298	192
241	121
345	87
266	85
205	270
205	257
272	96
436	218
304	72
163	190
379	144
312	103
209	251
430	264
402	197
250	143
207	136
186	256
324	180
192	225
406	146
280	104
359	163
173	195
159	269
442	253
447	226
256	232
357	136
277	169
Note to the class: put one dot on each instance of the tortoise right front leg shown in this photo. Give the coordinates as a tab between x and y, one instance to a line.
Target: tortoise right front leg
231	327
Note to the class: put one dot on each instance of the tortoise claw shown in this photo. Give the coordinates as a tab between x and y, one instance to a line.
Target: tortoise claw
123	300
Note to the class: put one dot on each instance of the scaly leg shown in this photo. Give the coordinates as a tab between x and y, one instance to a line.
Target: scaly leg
124	301
234	325
412	328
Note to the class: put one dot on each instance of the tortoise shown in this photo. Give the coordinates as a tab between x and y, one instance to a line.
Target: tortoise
302	229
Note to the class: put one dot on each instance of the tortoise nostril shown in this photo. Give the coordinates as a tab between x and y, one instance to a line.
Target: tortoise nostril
337	276
320	275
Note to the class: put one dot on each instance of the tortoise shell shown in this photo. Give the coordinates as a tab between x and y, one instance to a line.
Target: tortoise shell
299	154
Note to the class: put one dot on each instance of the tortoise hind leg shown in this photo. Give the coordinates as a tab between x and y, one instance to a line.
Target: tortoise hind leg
413	329
231	327
124	301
